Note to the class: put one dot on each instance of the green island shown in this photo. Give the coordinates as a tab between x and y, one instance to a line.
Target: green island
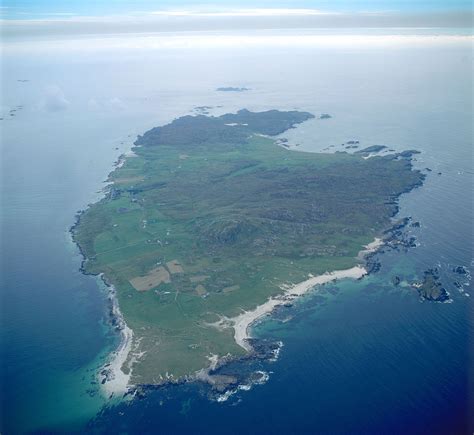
209	217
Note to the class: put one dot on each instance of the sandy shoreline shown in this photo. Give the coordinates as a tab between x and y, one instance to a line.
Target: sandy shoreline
113	380
370	248
243	322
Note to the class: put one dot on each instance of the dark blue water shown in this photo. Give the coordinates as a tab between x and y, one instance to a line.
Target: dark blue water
362	363
371	358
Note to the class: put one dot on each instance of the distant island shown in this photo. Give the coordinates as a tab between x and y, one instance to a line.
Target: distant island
232	89
208	224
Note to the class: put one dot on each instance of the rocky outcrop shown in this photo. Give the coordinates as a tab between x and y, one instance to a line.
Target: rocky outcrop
430	288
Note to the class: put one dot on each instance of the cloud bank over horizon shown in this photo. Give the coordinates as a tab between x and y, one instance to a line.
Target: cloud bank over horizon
243	19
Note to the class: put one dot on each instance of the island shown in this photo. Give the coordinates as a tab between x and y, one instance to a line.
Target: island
232	89
431	288
207	225
369	150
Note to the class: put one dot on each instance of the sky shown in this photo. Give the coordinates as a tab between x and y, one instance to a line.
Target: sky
45	9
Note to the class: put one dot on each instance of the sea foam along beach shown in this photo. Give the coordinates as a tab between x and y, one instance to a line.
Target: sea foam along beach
244	321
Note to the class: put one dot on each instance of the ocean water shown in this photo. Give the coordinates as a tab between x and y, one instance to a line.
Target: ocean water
366	357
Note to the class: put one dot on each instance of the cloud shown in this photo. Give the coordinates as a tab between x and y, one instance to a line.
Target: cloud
54	100
93	104
116	104
61	28
112	104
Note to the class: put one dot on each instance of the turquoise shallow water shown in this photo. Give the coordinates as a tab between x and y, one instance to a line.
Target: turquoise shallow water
369	358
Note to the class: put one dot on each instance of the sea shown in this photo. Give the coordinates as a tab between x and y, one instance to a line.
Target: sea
355	357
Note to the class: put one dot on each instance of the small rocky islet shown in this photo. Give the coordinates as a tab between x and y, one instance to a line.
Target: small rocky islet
431	288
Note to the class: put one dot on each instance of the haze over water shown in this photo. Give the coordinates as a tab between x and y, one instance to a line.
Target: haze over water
370	358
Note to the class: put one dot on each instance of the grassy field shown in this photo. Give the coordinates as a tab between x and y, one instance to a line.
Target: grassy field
210	217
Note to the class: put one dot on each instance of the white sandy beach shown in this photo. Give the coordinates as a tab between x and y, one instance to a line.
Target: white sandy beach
242	322
370	248
117	382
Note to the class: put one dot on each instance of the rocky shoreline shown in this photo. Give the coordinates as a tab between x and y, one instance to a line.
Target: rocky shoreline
114	381
430	288
224	383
